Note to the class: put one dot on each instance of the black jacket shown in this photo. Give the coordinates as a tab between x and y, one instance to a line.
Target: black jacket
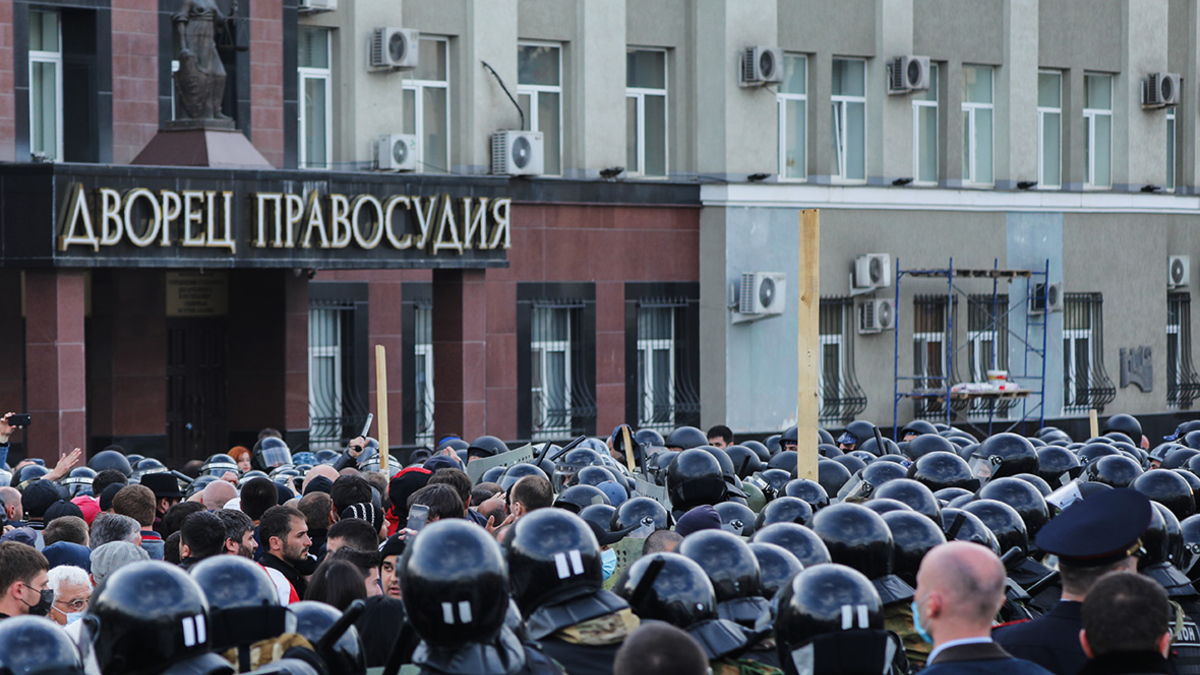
1127	663
290	573
1051	640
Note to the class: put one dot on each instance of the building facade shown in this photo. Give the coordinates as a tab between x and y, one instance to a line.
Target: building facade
607	286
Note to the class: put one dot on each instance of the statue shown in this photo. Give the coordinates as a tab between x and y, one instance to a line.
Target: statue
200	81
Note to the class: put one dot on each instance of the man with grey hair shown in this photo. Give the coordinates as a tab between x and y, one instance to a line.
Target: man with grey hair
72	591
112	556
110	527
960	587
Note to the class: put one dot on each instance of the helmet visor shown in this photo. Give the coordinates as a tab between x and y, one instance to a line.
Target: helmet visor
274	456
856	489
984	467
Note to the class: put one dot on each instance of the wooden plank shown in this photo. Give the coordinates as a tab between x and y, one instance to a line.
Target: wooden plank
808	342
1094	423
381	403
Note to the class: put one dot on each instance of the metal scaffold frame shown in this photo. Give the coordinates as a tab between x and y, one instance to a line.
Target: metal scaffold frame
1032	395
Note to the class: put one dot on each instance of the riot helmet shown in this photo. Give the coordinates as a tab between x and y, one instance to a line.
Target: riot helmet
1117	471
644	512
79	481
695	478
855	433
685	438
960	525
745	461
1094	451
947	495
600	514
516	472
941	470
1005	454
551	552
575	459
784	510
871	446
785	460
776	566
789	439
1037	482
764	455
916	495
831	475
737	518
865	482
926	443
592	475
217	465
453	604
578	497
912	537
1189	529
270	452
35	645
313	621
1191	478
882	506
486	446
152	615
1057	465
776	479
917	428
1004	522
243	601
856	536
733	570
110	459
802	542
1180	457
1169	489
1023	497
853	464
649	438
809	491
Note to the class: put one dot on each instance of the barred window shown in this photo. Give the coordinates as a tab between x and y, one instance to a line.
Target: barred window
337	364
1086	384
841	397
422	370
1183	384
931	326
557	369
987	347
666	386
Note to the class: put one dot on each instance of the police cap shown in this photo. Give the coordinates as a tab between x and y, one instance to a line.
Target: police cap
1099	530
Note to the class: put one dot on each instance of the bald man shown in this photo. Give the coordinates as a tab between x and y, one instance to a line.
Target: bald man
217	494
960	587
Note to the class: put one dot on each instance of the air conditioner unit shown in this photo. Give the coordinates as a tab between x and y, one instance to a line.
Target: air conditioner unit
762	293
1179	271
396	152
518	153
1046	297
908	73
395	48
1160	90
311	6
761	65
875	316
871	271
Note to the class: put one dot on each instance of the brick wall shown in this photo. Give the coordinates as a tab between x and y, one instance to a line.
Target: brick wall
266	78
135	76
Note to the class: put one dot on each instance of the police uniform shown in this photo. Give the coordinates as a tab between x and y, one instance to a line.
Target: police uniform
1101	530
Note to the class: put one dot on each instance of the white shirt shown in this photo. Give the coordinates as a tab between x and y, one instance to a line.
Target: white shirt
955	643
75	631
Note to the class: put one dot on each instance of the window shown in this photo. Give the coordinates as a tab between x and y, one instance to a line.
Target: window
315	87
1170	149
925	132
1049	129
1183	384
337	365
931	324
45	84
662	354
539	90
556	360
841	399
1097	117
646	112
427	105
656	366
977	109
1085	382
987	347
423	372
849	102
792	100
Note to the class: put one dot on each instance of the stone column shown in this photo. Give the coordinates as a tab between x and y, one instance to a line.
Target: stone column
459	353
54	362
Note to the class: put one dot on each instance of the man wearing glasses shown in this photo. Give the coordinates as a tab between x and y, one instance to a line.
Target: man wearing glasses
72	591
23	581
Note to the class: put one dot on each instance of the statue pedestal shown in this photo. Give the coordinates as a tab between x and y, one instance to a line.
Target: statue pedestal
212	143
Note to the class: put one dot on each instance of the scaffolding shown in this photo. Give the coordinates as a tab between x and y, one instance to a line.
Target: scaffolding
933	392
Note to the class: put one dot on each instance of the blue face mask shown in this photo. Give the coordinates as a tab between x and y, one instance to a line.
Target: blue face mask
608	560
916	612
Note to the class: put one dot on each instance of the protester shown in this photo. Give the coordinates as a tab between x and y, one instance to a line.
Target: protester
1126	627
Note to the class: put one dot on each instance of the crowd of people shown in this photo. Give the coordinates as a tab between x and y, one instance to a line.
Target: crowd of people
688	553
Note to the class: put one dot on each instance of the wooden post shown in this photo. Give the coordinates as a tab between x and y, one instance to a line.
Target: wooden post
808	342
1094	424
381	404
